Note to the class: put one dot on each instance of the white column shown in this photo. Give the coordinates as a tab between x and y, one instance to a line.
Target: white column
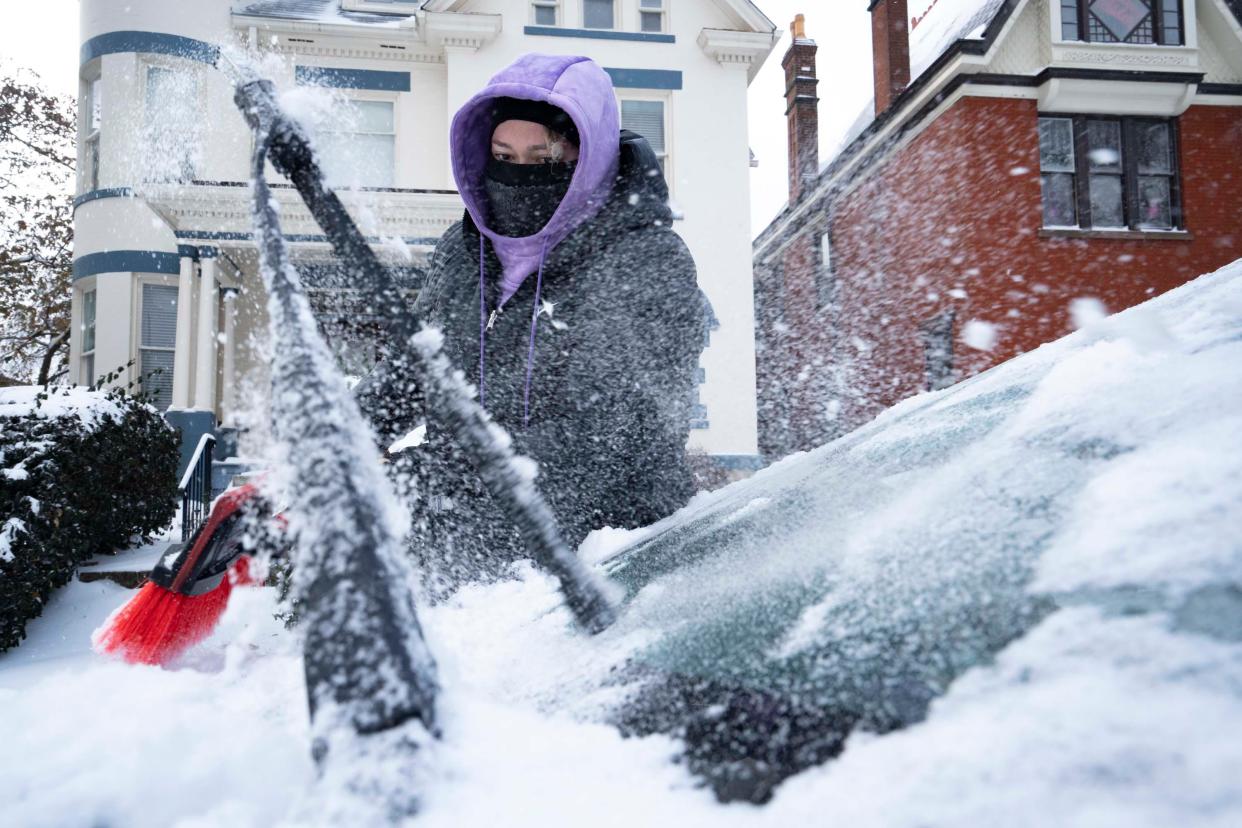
183	363
227	392
205	364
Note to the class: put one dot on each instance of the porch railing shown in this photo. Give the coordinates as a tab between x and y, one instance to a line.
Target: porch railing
196	487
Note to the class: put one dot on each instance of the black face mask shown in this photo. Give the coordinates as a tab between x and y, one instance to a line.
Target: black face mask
522	197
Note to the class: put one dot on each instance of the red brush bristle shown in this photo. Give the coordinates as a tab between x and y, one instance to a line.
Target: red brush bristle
157	625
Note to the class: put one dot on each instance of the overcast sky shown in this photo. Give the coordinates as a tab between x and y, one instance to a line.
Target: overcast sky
43	36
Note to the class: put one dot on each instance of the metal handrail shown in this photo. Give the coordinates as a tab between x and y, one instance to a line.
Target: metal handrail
195	487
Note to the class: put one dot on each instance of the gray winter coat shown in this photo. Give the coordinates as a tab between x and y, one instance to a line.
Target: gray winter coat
612	374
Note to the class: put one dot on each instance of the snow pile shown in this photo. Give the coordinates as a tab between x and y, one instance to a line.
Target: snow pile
1087	495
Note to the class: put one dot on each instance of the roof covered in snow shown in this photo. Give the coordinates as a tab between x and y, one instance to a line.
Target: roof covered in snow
935	25
323	11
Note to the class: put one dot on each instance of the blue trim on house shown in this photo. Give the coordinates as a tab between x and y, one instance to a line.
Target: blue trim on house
208	252
599	34
644	78
187	251
740	462
126	261
229	235
106	192
156	43
337	78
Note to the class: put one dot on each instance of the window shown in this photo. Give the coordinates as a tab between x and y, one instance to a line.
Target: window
358	148
1156	22
87	376
938	351
825	276
647	119
158	342
172	124
1108	172
1056	171
651	15
598	14
546	12
94	120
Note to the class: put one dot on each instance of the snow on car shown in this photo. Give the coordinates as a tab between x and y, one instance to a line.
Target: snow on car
1014	601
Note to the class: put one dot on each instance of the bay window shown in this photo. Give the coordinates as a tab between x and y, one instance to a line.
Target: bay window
1104	172
158	341
90	151
171	124
87	371
1156	22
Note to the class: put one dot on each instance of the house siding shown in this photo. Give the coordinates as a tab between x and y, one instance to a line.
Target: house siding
959	209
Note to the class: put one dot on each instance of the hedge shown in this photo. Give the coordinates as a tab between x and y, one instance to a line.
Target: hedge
81	473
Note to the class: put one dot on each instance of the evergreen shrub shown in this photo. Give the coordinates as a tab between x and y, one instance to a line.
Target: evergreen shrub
81	473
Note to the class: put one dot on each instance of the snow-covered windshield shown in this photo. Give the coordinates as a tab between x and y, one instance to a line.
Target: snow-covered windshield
852	585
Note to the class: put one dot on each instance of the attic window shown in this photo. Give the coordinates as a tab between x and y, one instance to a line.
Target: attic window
1155	22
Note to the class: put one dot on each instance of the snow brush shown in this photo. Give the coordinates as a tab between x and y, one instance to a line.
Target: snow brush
189	587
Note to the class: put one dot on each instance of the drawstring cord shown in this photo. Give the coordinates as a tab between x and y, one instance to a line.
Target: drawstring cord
482	315
534	326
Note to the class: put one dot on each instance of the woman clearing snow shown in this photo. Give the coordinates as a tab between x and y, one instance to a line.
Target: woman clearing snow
572	305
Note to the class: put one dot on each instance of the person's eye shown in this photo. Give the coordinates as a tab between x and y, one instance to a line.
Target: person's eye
502	156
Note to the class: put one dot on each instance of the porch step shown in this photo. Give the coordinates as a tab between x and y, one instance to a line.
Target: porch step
129	567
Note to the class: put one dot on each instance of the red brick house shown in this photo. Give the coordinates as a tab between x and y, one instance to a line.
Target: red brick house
1021	154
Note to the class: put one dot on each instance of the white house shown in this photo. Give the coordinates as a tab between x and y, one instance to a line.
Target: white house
165	270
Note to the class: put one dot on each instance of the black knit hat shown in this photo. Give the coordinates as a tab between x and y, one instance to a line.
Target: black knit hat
539	112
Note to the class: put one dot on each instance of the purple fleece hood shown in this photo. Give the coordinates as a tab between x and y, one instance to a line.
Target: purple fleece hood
579	87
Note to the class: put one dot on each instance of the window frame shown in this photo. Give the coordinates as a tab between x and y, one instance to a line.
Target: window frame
666	101
937	335
87	355
825	268
661	10
354	96
1130	203
614	27
196	142
139	301
555	5
92	127
1082	18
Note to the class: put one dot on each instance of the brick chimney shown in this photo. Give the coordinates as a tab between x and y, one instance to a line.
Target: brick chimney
890	48
802	109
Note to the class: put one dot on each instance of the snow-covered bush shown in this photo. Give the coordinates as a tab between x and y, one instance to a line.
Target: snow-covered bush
81	472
